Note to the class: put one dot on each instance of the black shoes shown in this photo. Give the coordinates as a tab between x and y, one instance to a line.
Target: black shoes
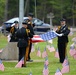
30	60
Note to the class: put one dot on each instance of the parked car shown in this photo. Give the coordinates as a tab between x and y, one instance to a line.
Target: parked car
40	26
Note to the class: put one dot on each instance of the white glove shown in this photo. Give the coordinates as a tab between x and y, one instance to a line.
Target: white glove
60	35
13	25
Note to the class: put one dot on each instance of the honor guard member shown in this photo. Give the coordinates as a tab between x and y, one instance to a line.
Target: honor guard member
62	39
12	29
30	27
23	34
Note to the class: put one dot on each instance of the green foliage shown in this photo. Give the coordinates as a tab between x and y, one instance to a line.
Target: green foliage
60	8
2	9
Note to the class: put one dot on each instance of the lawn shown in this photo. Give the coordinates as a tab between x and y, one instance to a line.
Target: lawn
37	66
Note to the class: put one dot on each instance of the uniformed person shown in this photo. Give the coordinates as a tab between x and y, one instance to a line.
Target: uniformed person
23	34
62	39
12	29
30	27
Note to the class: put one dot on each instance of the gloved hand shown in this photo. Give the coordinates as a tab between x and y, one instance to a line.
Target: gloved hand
13	25
60	34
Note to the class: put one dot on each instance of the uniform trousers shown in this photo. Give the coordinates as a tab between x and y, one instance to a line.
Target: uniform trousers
62	51
29	51
22	51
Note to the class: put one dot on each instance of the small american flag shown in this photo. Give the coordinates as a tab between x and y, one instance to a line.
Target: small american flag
38	52
50	48
72	50
1	65
65	61
32	49
19	65
46	61
44	54
45	70
58	72
66	68
57	54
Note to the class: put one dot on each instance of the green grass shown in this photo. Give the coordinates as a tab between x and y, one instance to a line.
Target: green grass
36	67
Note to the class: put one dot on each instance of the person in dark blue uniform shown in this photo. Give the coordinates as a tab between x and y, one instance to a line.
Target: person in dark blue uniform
23	34
30	27
12	29
62	39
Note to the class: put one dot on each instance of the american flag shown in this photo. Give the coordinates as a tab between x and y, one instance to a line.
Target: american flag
32	49
46	61
19	65
72	50
50	48
38	52
44	54
58	72
65	61
1	65
45	70
57	54
66	68
44	37
74	56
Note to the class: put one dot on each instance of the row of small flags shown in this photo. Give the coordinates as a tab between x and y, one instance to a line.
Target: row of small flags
73	49
65	67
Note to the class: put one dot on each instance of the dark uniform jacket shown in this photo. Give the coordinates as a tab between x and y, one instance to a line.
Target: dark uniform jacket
23	35
65	31
30	26
12	30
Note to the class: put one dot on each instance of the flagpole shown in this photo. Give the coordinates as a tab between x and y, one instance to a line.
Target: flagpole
35	9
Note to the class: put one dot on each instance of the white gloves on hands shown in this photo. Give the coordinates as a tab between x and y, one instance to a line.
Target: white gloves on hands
60	35
13	25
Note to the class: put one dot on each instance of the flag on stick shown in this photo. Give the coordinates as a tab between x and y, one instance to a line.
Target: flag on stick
65	61
38	52
58	72
46	61
44	54
32	49
57	54
50	48
72	50
1	65
66	68
45	70
19	65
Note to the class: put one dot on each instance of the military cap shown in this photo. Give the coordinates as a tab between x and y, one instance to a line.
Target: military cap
63	19
25	22
15	21
30	14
